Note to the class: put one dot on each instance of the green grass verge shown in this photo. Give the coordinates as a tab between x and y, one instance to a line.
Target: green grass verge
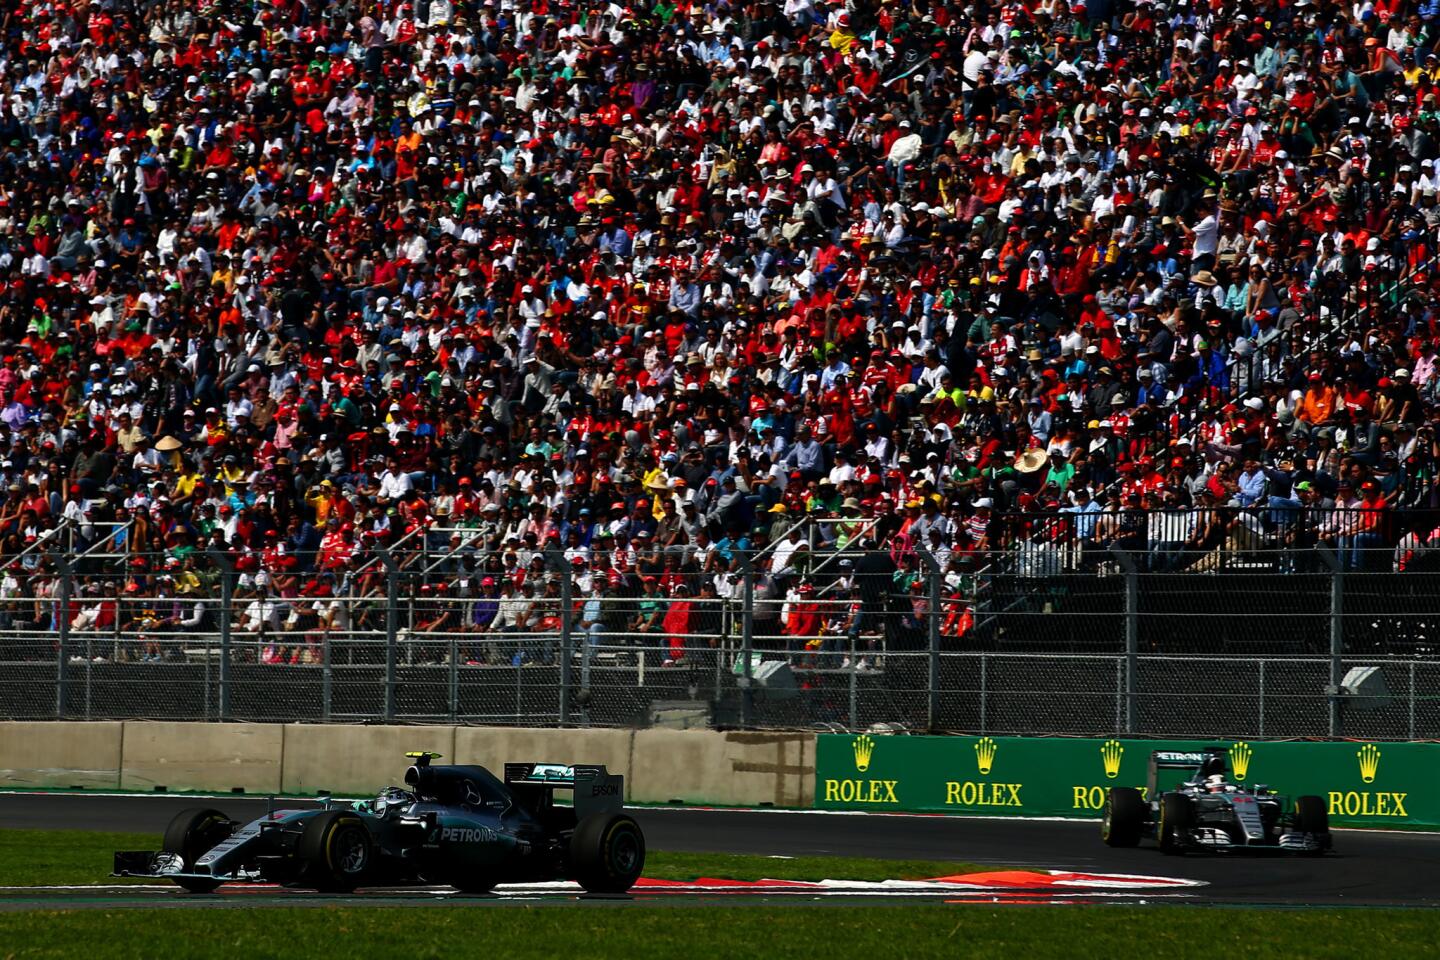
41	857
719	932
848	929
35	857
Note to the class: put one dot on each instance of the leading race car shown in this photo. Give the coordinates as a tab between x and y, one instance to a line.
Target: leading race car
1208	812
455	825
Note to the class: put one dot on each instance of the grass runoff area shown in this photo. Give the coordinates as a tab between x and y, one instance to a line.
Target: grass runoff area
711	931
667	930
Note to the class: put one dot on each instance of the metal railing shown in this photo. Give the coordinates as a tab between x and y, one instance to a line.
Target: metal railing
1276	534
1102	641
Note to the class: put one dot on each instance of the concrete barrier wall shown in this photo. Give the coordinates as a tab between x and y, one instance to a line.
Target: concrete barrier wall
736	768
202	756
354	760
60	755
492	747
659	766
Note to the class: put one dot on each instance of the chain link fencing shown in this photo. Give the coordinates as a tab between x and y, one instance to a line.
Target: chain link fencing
1069	636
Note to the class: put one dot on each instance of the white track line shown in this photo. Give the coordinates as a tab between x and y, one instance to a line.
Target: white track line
136	887
644	808
973	893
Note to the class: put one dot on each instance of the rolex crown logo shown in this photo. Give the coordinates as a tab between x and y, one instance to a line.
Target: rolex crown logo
1369	756
864	748
1240	754
985	749
1111	751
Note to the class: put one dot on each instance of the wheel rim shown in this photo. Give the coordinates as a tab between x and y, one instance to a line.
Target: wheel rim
350	854
1105	822
625	852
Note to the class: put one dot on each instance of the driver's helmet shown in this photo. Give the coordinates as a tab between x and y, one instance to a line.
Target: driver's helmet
392	797
1215	783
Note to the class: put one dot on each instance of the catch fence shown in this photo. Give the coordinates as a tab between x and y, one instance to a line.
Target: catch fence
1037	634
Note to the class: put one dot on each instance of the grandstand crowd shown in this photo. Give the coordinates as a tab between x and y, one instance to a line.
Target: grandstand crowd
655	285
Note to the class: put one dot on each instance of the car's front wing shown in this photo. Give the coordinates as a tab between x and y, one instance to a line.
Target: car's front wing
169	866
1215	838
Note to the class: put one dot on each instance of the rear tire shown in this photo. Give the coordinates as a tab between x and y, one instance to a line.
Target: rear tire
1312	816
1124	817
1176	819
190	836
607	853
336	851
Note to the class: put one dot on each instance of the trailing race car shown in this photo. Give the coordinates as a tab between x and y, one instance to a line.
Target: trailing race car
455	825
1208	812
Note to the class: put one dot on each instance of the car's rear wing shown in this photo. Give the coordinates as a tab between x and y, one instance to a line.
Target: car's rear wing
595	789
1203	762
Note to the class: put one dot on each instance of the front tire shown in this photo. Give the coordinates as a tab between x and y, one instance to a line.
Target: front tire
1176	819
191	835
1124	817
336	851
607	853
1312	816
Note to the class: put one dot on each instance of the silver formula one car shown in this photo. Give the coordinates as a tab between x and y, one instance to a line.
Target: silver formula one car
1207	811
456	825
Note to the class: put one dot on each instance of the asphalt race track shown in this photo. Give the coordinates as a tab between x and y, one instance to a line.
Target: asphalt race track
1369	868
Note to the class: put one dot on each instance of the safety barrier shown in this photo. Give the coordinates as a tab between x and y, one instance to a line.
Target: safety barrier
1090	625
1379	784
660	766
1382	784
231	757
60	754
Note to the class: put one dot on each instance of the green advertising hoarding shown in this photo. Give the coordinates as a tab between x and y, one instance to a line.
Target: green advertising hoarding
1363	784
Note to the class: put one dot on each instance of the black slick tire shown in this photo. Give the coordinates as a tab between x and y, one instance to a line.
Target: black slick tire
190	836
1312	816
1124	818
607	853
336	851
1176	819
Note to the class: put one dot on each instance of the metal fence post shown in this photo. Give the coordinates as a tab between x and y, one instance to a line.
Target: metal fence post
567	640
1410	703
62	632
1261	724
587	653
392	625
854	717
453	678
984	689
1337	638
717	662
227	598
747	640
1132	635
932	673
327	677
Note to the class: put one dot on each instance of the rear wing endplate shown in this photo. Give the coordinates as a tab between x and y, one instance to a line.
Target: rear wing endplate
595	789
